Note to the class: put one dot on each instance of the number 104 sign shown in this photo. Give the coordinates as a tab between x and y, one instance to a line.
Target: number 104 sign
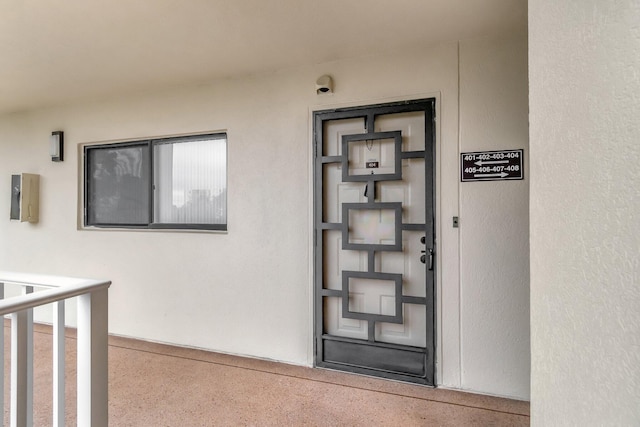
492	165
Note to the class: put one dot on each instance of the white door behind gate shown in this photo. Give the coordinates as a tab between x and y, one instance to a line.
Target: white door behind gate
386	304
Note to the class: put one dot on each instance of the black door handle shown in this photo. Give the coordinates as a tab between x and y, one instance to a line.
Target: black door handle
423	258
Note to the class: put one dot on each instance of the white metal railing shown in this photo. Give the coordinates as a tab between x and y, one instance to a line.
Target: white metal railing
92	324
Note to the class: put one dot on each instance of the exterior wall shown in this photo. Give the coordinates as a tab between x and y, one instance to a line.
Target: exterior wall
585	204
249	291
494	220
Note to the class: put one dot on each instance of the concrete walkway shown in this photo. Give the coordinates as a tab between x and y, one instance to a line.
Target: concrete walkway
153	385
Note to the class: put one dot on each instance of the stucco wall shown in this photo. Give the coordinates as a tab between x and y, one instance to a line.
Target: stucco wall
249	291
584	58
494	220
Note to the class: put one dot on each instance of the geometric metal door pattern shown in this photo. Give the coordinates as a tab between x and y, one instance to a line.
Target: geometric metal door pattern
374	240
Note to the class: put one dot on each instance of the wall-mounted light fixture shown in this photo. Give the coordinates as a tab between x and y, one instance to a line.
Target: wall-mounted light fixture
56	146
324	84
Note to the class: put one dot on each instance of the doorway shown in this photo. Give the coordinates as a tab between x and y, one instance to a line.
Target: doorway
374	240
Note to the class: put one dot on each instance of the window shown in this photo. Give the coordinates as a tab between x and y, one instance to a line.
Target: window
172	183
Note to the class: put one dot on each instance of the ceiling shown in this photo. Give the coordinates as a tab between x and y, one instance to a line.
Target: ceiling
58	51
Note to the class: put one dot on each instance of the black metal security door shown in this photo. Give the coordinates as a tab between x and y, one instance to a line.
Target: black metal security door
374	240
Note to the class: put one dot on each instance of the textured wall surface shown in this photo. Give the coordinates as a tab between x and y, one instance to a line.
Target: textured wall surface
494	220
584	62
249	291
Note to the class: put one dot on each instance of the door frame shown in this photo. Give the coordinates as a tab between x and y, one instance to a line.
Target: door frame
429	105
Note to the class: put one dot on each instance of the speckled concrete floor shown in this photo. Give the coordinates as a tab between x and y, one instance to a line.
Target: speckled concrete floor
159	385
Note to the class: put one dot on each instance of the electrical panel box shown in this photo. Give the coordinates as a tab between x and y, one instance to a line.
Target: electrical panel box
25	195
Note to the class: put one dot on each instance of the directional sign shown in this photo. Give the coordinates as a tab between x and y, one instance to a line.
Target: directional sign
492	165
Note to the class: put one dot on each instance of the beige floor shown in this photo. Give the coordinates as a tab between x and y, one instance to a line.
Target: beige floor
159	385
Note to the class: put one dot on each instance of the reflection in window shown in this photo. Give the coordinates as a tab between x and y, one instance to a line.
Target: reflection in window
118	185
167	183
190	182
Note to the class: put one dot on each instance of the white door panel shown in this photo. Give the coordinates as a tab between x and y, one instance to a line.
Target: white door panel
411	332
333	131
338	325
411	125
377	227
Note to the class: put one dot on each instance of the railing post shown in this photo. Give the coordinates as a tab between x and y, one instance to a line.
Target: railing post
22	368
25	291
93	380
19	369
58	364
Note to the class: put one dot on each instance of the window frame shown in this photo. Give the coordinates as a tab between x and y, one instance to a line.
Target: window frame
149	144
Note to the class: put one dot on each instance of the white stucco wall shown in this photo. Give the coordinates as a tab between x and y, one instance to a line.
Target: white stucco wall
249	291
584	58
494	220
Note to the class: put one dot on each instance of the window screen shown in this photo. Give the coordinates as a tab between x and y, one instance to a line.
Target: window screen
164	183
